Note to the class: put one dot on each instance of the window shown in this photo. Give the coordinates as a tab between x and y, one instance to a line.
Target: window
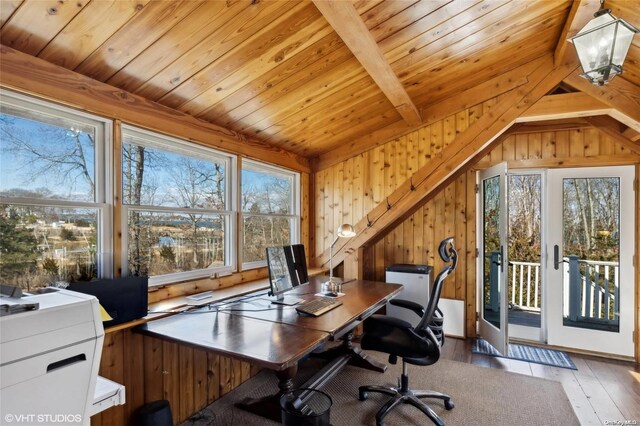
54	202
270	210
177	208
184	215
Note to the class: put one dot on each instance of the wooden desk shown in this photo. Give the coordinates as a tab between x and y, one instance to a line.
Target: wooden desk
276	337
361	299
238	337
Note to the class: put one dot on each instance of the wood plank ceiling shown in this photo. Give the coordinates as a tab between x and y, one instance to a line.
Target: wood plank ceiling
276	70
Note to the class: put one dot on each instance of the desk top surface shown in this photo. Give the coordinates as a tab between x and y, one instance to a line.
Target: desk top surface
361	299
268	344
271	336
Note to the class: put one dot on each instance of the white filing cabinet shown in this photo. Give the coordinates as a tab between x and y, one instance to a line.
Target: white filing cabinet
416	281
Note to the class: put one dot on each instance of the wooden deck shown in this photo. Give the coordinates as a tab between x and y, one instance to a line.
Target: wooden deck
600	391
528	318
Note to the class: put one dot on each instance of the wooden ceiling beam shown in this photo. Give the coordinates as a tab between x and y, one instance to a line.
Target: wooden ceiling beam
549	126
456	157
631	134
615	130
565	105
620	94
28	74
346	21
581	12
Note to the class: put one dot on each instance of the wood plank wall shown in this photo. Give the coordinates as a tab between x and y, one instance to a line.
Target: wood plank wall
346	191
153	369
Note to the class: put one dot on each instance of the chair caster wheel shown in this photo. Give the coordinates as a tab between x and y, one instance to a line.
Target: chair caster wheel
363	395
448	404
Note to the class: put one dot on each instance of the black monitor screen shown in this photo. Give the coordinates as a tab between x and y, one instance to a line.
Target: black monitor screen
299	264
287	268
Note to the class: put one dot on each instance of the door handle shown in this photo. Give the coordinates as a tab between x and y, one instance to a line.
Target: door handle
556	257
501	259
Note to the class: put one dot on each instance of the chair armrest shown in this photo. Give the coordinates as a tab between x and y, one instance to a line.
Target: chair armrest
407	304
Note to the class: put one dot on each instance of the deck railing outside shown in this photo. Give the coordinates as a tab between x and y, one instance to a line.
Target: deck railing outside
525	285
591	294
593	290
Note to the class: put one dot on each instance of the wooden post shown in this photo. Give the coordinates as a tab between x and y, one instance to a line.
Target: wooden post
574	287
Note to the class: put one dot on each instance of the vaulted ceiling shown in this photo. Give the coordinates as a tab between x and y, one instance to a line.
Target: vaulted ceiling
278	72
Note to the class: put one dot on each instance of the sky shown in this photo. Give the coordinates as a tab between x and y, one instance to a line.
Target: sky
19	171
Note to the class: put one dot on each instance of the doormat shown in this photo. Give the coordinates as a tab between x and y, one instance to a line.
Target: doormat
526	353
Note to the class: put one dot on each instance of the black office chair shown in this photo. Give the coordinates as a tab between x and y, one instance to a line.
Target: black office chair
418	345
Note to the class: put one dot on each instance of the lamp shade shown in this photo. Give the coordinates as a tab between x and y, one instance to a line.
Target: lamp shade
346	231
602	46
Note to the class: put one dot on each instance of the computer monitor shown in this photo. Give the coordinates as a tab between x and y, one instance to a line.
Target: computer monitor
300	264
287	269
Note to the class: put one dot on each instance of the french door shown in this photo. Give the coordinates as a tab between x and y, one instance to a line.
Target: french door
492	243
576	276
590	272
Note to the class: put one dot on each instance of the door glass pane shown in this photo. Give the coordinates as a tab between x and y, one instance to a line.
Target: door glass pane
524	277
591	255
491	249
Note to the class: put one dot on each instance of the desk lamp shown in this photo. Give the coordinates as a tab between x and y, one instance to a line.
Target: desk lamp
344	231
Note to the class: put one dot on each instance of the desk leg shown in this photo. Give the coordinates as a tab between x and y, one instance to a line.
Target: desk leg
356	356
269	406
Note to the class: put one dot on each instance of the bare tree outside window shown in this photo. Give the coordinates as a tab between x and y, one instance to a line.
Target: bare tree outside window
172	223
268	211
47	158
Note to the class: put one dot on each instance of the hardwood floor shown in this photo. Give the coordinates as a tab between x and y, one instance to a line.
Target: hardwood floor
601	390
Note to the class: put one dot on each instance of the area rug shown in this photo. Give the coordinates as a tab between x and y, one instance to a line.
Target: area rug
526	353
482	396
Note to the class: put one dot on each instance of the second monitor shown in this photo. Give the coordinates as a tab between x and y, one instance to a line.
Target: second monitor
287	269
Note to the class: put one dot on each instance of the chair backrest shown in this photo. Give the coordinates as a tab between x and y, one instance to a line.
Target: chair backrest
449	255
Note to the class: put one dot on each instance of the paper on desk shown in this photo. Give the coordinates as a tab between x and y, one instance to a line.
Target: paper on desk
104	316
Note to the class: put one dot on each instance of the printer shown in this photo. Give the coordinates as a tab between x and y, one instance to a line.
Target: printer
50	348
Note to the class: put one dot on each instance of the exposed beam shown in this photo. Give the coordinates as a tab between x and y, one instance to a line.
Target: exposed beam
614	130
581	12
456	157
32	75
546	163
619	94
346	21
549	126
468	98
566	105
631	134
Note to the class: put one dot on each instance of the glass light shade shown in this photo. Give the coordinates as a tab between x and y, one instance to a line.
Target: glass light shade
602	46
346	231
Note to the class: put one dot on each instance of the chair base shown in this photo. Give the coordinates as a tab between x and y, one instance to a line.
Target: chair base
403	394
